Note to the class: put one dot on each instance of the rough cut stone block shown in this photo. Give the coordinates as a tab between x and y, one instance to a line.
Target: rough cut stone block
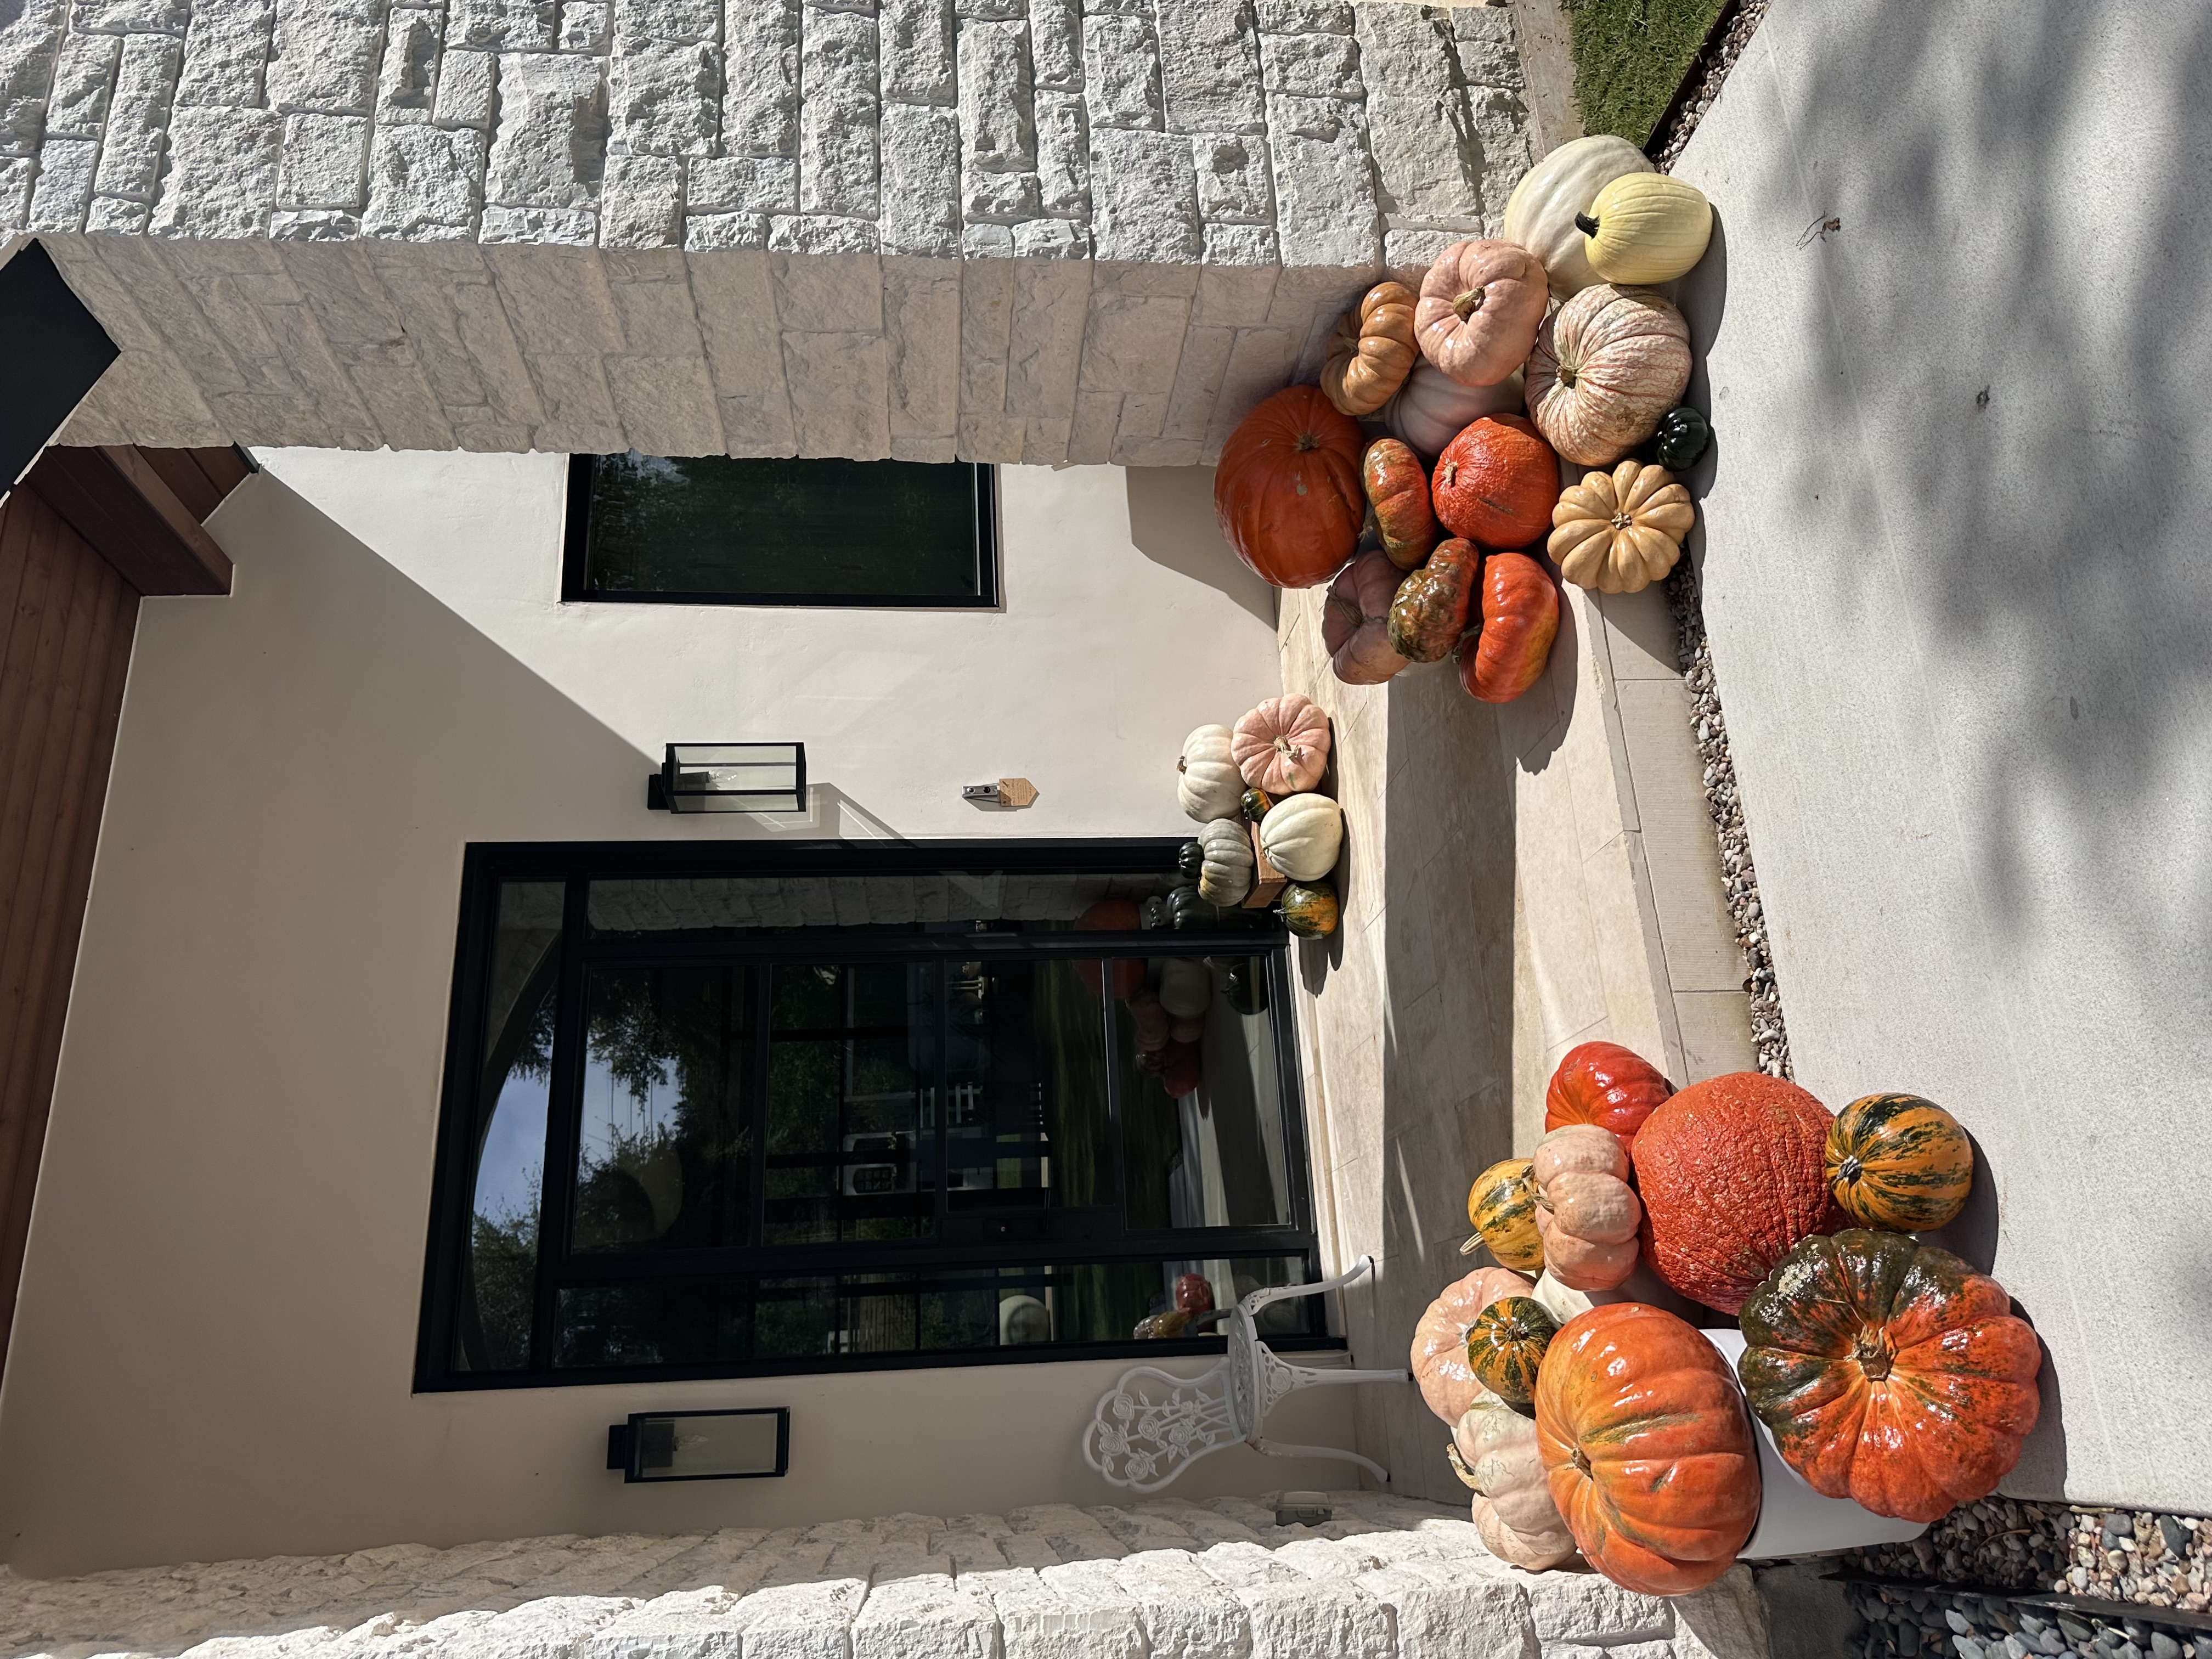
423	178
1583	1608
552	128
837	162
131	16
1056	44
1406	247
585	25
1426	162
1051	239
16	184
82	79
637	21
326	162
1312	65
1063	156
1121	72
642	203
710	232
1487	54
1144	195
222	173
760	107
1233	186
540	227
918	52
1242	244
743	184
466	81
64	187
1210	66
822	232
1325	206
997	122
666	97
30	44
1304	16
325	56
501	25
1502	141
138	116
1004	198
407	83
227	53
921	181
924	1614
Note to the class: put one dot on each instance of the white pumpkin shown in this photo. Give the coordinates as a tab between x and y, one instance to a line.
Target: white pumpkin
1302	835
1186	986
1209	785
1494	1449
1225	876
1431	408
1540	213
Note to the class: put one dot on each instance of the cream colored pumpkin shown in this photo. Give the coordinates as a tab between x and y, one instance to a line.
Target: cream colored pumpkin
1225	872
1645	228
1302	835
1494	1450
1607	365
1431	408
1439	1355
1587	1213
1186	986
1622	531
1540	213
1209	786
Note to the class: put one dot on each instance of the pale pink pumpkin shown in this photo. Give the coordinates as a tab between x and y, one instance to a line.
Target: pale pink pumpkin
1494	1450
1282	746
1355	620
1479	309
1587	1213
1607	366
1439	1357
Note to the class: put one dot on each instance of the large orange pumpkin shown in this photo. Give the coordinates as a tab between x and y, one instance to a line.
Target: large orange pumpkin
1497	482
1647	1448
1287	489
1890	1372
1731	1175
1520	619
1607	1084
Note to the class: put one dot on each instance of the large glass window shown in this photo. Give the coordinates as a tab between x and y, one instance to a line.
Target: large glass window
711	530
848	1107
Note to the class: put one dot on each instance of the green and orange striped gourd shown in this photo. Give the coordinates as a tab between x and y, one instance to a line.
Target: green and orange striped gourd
1899	1162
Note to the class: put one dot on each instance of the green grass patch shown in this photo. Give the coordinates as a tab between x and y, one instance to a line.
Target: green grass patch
1629	54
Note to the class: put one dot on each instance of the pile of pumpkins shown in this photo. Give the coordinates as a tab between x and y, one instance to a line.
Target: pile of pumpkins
1266	833
1588	1413
1439	537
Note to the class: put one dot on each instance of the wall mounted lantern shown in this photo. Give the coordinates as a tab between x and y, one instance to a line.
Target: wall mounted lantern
733	1445
730	777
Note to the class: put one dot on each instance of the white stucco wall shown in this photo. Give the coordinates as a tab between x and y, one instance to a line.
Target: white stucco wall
213	1353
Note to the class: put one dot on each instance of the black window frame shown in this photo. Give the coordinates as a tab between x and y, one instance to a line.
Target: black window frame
575	561
486	865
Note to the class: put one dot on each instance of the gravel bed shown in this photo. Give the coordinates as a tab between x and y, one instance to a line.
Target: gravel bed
1770	1038
1912	1624
2150	1559
1710	68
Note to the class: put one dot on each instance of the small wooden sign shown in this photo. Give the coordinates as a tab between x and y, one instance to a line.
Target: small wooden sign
1267	881
1006	792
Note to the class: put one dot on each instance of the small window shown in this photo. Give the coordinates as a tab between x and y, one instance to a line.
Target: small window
711	530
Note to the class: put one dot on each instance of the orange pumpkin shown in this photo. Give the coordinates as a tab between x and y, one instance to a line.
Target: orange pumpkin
1397	487
1890	1372
1607	365
1495	482
1480	306
1607	1084
1731	1175
1431	610
1371	351
1647	1448
1520	619
1440	1361
1287	491
1355	620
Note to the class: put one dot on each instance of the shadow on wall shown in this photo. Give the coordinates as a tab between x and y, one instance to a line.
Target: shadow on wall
1171	523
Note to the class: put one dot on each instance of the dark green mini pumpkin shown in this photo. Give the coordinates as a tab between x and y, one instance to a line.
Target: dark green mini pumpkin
1682	436
1188	912
1310	908
1247	984
1191	859
1506	1346
1256	803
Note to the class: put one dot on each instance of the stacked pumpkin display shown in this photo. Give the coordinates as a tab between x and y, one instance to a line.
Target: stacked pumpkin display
1886	1369
1266	833
1437	536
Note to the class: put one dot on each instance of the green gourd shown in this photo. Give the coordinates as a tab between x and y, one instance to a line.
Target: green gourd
1682	436
1309	908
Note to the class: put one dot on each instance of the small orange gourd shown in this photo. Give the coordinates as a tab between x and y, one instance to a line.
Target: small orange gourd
1371	351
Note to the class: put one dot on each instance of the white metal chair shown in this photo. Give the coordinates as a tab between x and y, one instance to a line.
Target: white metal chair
1143	1435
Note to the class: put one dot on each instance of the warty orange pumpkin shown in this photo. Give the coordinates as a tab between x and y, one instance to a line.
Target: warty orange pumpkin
1431	610
1397	487
1286	491
1495	482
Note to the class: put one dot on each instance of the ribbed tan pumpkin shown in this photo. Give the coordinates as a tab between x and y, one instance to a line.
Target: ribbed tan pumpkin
1440	1362
1372	350
1607	364
1620	532
1494	1450
1586	1212
1480	306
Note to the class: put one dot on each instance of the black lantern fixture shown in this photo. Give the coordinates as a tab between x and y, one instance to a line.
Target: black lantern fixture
730	777
751	1444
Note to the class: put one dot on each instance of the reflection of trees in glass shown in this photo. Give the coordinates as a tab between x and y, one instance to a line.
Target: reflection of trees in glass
503	1258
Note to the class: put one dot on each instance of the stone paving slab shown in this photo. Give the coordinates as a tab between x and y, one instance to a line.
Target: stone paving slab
1388	1578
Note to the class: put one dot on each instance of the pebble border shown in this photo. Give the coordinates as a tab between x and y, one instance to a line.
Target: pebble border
2136	1556
1903	1623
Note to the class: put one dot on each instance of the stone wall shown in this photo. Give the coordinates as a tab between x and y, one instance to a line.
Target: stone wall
1388	1578
1002	230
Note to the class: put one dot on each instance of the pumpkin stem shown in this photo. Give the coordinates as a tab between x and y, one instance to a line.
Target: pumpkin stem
1468	303
1566	375
1307	441
1585	224
1874	1356
1580	1459
1851	1169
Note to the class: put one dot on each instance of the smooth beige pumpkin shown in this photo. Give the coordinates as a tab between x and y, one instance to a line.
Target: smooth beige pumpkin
1587	1213
1302	835
1439	1357
1207	782
1540	213
1480	306
1225	873
1607	364
1646	227
1371	350
1620	532
1494	1451
1431	408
